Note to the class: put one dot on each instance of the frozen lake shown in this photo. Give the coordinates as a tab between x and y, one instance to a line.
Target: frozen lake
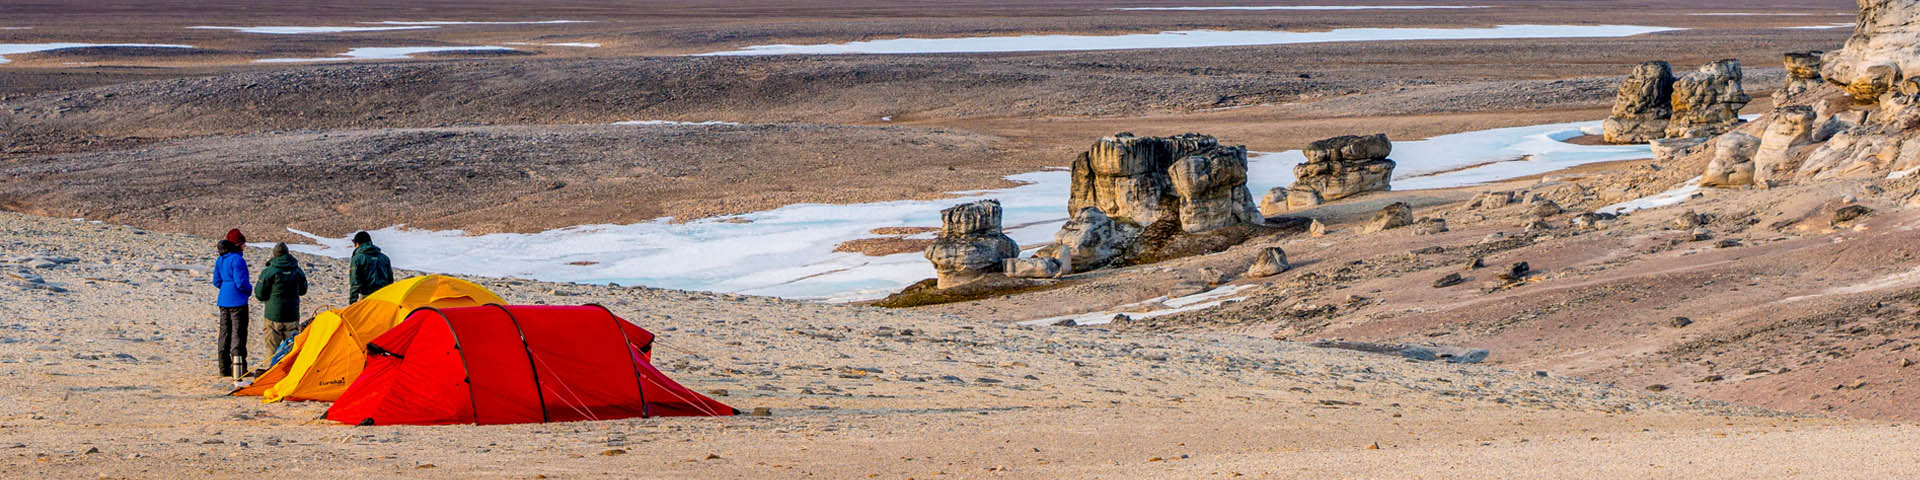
13	48
384	53
788	251
1188	39
453	22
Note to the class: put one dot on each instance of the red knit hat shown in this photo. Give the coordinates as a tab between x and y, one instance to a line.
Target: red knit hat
237	238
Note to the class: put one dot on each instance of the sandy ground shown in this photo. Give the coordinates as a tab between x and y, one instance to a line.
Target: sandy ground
113	377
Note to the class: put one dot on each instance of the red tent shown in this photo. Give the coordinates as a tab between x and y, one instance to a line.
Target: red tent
498	364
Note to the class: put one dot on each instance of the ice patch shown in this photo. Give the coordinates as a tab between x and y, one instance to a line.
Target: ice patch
1663	199
674	122
456	22
13	48
1313	7
561	44
1187	39
384	53
291	30
1902	174
1190	303
1767	14
788	251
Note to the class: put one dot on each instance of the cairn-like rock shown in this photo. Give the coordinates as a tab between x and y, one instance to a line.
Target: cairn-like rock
1791	129
1732	163
1708	102
1341	167
1090	240
1212	187
1126	176
970	245
1644	105
1803	75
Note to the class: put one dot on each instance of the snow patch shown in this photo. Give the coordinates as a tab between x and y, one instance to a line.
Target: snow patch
1313	7
1465	159
1190	303
455	22
674	122
1187	39
1668	198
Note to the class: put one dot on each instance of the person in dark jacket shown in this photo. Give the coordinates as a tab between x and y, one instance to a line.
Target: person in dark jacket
279	289
371	269
230	276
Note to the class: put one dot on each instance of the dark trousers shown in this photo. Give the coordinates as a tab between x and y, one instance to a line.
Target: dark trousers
233	337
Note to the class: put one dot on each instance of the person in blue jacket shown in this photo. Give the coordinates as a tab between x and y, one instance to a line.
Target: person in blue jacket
230	275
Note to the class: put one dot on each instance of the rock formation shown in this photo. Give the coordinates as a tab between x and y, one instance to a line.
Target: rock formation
1708	102
1132	180
970	245
1644	105
1803	75
1212	187
1882	46
1090	240
1034	267
1791	128
1275	202
1732	163
1666	150
1341	167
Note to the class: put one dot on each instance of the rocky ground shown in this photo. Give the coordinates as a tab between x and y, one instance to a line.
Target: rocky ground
107	358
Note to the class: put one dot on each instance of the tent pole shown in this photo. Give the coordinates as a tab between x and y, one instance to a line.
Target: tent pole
639	384
538	391
455	333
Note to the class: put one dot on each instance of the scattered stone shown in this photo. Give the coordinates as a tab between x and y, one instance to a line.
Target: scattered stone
1341	167
1689	219
1066	323
1643	106
1710	379
1429	226
1680	322
1541	207
1657	388
610	453
1269	262
1516	272
1727	243
1317	228
1397	215
1590	220
1424	353
1700	234
1474	263
1492	200
1849	213
1449	280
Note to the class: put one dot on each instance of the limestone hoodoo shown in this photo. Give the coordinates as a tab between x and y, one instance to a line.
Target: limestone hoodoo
970	245
1643	106
1803	75
1212	187
1341	167
1707	102
1142	180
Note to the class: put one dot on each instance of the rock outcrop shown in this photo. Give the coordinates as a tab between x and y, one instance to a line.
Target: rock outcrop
1666	150
1644	105
1790	129
1708	102
1882	47
1212	187
1732	163
970	245
1803	75
1341	167
1275	202
1090	240
1034	267
1131	180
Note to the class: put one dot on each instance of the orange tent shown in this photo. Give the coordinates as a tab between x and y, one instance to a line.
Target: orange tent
330	353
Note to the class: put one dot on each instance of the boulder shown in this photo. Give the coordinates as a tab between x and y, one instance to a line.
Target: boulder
1091	240
1430	226
1643	106
1034	267
1732	163
1708	102
1341	167
1275	202
1539	206
970	245
1791	128
1317	228
1667	150
1212	187
1803	75
1493	200
1397	215
1126	176
1269	262
1871	81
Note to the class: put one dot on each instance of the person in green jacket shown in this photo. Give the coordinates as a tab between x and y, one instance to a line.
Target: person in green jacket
371	269
280	287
